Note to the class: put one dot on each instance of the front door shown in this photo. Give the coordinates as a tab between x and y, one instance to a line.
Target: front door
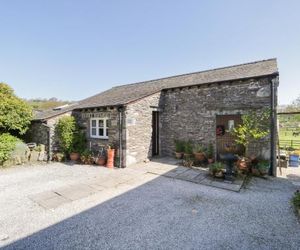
155	133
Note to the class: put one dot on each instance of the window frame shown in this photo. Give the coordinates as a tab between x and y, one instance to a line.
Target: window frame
105	128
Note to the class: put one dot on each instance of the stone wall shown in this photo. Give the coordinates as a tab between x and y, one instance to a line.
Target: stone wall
83	118
139	128
190	113
38	132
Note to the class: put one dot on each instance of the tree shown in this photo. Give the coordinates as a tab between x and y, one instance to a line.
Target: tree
15	114
255	126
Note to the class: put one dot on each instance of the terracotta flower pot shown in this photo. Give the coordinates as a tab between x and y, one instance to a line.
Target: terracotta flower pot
185	155
178	155
74	156
210	160
199	156
101	161
110	158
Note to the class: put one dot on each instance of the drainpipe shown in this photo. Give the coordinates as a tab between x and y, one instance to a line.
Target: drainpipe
273	165
49	156
120	110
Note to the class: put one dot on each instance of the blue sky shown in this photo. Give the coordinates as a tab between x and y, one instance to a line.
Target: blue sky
73	49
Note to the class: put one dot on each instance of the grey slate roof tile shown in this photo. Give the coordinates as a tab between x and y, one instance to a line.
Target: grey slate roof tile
125	94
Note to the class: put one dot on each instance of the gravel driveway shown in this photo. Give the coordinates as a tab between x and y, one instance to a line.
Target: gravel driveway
138	210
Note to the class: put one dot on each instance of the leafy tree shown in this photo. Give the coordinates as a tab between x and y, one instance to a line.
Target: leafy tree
255	126
15	114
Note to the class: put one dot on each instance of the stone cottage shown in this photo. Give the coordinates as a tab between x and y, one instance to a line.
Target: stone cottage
143	119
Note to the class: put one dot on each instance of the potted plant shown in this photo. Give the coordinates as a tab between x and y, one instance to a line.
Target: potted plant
210	153
261	168
57	156
78	145
216	169
110	156
179	149
243	163
188	149
86	157
199	152
101	157
296	201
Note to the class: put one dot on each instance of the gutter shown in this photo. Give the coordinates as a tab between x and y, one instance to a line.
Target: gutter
120	116
273	128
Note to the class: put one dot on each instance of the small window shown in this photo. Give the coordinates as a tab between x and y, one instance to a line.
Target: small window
99	128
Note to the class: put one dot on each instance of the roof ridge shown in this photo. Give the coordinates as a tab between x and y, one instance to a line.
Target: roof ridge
197	72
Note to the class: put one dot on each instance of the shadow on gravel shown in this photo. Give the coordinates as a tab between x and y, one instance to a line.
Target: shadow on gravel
173	214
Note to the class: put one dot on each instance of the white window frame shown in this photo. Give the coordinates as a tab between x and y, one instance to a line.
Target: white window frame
105	128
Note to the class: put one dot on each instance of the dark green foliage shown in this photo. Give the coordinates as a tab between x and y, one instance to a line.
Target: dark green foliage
179	146
15	114
188	147
296	199
210	151
7	146
71	139
66	127
79	142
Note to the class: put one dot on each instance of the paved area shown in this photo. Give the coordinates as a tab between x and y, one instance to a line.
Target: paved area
171	168
60	206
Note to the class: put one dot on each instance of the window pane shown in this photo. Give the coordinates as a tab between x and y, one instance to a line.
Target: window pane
106	132
107	123
101	124
93	131
101	132
93	123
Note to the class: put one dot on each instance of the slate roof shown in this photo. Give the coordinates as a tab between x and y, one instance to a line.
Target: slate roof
46	114
125	94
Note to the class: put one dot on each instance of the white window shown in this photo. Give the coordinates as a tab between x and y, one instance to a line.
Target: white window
99	128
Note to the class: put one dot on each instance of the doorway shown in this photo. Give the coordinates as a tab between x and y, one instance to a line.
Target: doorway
155	133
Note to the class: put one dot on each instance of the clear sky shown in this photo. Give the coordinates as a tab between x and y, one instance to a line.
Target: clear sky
72	49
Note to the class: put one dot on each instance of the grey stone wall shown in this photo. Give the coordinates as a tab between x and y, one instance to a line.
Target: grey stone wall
190	113
139	128
83	118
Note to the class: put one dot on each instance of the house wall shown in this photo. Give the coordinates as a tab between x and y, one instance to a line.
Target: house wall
138	128
83	118
190	113
38	133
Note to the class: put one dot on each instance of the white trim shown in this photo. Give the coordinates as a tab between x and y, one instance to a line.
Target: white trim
105	128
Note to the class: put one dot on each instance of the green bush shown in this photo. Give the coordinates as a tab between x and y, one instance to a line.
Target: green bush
15	113
179	146
296	199
7	146
66	127
79	142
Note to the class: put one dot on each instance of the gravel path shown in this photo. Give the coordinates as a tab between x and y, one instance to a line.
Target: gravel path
148	211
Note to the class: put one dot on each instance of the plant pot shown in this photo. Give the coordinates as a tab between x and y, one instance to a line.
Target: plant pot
219	174
74	156
242	164
178	155
110	158
101	161
186	155
199	156
210	160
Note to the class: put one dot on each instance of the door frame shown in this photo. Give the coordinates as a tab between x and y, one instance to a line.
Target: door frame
155	133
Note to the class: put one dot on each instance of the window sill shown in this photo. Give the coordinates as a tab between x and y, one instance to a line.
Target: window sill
100	137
